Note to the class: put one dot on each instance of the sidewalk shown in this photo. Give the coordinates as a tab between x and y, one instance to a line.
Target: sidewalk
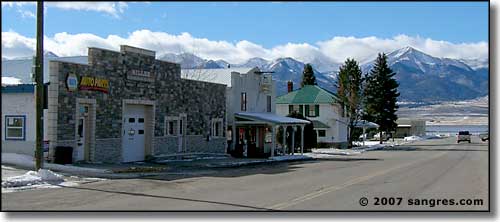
145	169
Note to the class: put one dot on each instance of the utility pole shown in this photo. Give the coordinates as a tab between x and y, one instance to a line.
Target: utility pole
39	86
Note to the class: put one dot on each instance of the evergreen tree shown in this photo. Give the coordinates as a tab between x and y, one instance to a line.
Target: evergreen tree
308	77
380	96
349	91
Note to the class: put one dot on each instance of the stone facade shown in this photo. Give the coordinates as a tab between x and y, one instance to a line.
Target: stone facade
134	74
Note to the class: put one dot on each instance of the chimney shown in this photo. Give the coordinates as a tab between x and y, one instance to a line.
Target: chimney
290	86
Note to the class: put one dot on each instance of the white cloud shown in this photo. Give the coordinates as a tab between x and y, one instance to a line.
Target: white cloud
111	8
15	45
336	49
362	49
26	13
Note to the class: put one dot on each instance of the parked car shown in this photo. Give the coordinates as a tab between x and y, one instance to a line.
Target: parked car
484	136
463	136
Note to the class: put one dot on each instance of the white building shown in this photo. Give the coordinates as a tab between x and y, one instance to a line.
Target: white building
322	108
18	119
250	110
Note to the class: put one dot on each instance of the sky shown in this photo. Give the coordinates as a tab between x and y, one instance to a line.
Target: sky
237	31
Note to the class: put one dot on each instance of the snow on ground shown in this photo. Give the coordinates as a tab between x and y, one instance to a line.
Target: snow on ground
43	176
28	162
413	138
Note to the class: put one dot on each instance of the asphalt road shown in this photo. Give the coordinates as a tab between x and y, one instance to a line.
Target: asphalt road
423	174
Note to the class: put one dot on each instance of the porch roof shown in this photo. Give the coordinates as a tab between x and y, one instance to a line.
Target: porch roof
320	125
270	118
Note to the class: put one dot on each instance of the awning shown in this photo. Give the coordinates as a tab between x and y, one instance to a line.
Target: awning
270	118
319	124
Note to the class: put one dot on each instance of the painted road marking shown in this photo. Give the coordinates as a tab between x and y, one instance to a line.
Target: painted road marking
346	184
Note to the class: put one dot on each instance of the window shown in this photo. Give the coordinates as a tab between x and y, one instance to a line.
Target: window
294	108
269	136
321	133
172	125
216	128
131	120
15	128
312	110
141	120
243	101
269	104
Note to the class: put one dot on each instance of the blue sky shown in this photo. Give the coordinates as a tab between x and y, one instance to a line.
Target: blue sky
263	23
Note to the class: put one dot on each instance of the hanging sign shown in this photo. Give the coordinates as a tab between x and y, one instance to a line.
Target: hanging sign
94	83
72	82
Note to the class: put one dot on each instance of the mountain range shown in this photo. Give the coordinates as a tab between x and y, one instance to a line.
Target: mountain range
422	77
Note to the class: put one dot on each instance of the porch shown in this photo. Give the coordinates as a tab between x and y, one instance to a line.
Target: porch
255	134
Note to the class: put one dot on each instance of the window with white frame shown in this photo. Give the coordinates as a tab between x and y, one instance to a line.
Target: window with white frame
217	127
15	127
172	125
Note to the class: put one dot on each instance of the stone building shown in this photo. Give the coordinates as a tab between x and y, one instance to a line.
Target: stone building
125	106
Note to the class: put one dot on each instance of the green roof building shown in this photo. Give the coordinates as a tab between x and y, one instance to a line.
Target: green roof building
320	106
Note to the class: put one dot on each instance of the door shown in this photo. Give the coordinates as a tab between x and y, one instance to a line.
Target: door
133	134
78	154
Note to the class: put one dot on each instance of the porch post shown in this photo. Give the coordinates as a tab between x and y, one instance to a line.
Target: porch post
302	139
284	139
273	139
233	136
293	139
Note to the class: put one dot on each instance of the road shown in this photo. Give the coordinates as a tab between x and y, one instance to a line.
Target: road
430	170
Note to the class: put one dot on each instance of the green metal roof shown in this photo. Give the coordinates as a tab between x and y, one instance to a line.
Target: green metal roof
319	124
309	94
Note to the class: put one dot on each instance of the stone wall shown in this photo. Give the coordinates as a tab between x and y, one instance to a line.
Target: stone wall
108	150
197	143
166	145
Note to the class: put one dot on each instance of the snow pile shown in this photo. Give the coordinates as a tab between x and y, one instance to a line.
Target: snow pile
26	161
333	151
30	178
413	138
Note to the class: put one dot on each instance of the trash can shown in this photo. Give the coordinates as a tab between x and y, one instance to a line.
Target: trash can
63	155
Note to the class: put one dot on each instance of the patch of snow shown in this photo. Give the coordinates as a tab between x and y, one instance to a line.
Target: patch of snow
28	162
43	176
332	151
413	138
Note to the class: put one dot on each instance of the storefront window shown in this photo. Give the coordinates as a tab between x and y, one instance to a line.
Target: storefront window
15	128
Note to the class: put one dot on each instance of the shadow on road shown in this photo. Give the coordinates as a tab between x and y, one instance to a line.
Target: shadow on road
167	197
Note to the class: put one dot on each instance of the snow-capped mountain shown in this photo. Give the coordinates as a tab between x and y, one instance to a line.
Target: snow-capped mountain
254	62
475	63
424	78
187	60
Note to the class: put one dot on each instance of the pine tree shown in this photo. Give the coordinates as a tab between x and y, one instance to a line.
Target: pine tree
308	77
380	96
349	90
